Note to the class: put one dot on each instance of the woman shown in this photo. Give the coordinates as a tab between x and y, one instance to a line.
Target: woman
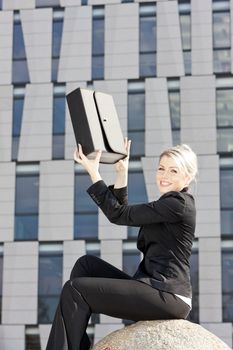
160	289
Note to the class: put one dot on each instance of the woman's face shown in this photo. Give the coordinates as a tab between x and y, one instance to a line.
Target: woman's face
169	177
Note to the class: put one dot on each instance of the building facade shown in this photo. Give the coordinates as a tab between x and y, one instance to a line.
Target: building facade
169	66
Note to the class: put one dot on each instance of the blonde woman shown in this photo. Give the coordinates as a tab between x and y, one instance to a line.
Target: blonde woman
160	289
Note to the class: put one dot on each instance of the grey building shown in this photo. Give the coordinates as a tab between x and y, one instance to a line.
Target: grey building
168	65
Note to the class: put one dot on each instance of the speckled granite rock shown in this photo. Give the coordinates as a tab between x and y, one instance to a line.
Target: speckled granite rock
161	335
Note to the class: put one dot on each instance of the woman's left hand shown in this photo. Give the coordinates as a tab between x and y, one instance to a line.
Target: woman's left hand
90	165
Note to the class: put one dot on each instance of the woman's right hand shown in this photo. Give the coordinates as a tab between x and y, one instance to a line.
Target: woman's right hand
123	164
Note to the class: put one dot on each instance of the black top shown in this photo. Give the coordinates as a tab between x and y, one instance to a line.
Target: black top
165	237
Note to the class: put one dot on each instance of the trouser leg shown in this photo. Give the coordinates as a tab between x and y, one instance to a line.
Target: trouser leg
73	312
69	327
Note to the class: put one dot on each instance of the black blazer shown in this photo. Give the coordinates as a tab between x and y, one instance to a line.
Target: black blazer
165	237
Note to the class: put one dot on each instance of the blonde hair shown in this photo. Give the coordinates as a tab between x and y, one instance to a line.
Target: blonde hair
185	158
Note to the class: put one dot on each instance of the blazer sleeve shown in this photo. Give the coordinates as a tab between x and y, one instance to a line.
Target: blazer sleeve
121	194
169	208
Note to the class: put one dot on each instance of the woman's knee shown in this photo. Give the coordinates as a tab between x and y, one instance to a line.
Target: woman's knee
82	266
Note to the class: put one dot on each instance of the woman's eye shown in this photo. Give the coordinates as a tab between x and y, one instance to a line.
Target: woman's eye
174	171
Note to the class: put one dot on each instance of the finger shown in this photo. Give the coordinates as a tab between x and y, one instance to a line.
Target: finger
98	156
76	156
128	147
126	141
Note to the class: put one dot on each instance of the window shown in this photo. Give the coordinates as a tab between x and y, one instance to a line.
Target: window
221	36
98	43
226	197
56	41
59	122
86	211
50	281
194	314
137	194
131	258
20	69
227	283
32	338
26	203
18	104
174	106
136	118
224	100
185	26
47	3
1	280
147	41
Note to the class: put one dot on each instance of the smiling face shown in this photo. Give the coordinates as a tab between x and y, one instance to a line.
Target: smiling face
169	176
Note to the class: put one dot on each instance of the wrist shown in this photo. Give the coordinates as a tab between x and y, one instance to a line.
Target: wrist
95	177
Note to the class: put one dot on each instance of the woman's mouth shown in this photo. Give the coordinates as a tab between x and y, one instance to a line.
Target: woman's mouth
165	183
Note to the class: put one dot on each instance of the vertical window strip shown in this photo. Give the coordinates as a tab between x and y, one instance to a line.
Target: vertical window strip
227	282
185	28
85	211
98	28
58	149
20	72
50	281
18	105
58	18
174	106
226	199
147	40
221	37
1	280
224	114
26	204
136	118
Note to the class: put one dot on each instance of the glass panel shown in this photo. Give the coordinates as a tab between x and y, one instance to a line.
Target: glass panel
17	115
174	104
227	222
176	138
26	227
225	140
1	274
136	112
18	42
194	272
137	194
98	36
49	285
185	24
224	107
221	30
57	36
20	72
55	63
226	188
59	115
187	62
86	225
131	260
147	34
27	194
47	3
83	202
147	64
50	274
33	342
222	61
58	146
97	67
138	143
227	285
46	308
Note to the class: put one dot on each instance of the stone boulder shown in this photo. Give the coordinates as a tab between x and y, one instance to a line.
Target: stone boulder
161	335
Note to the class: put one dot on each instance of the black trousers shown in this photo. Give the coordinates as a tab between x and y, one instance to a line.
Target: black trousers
99	287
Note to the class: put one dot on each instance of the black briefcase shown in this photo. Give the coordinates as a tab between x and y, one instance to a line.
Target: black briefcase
96	124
